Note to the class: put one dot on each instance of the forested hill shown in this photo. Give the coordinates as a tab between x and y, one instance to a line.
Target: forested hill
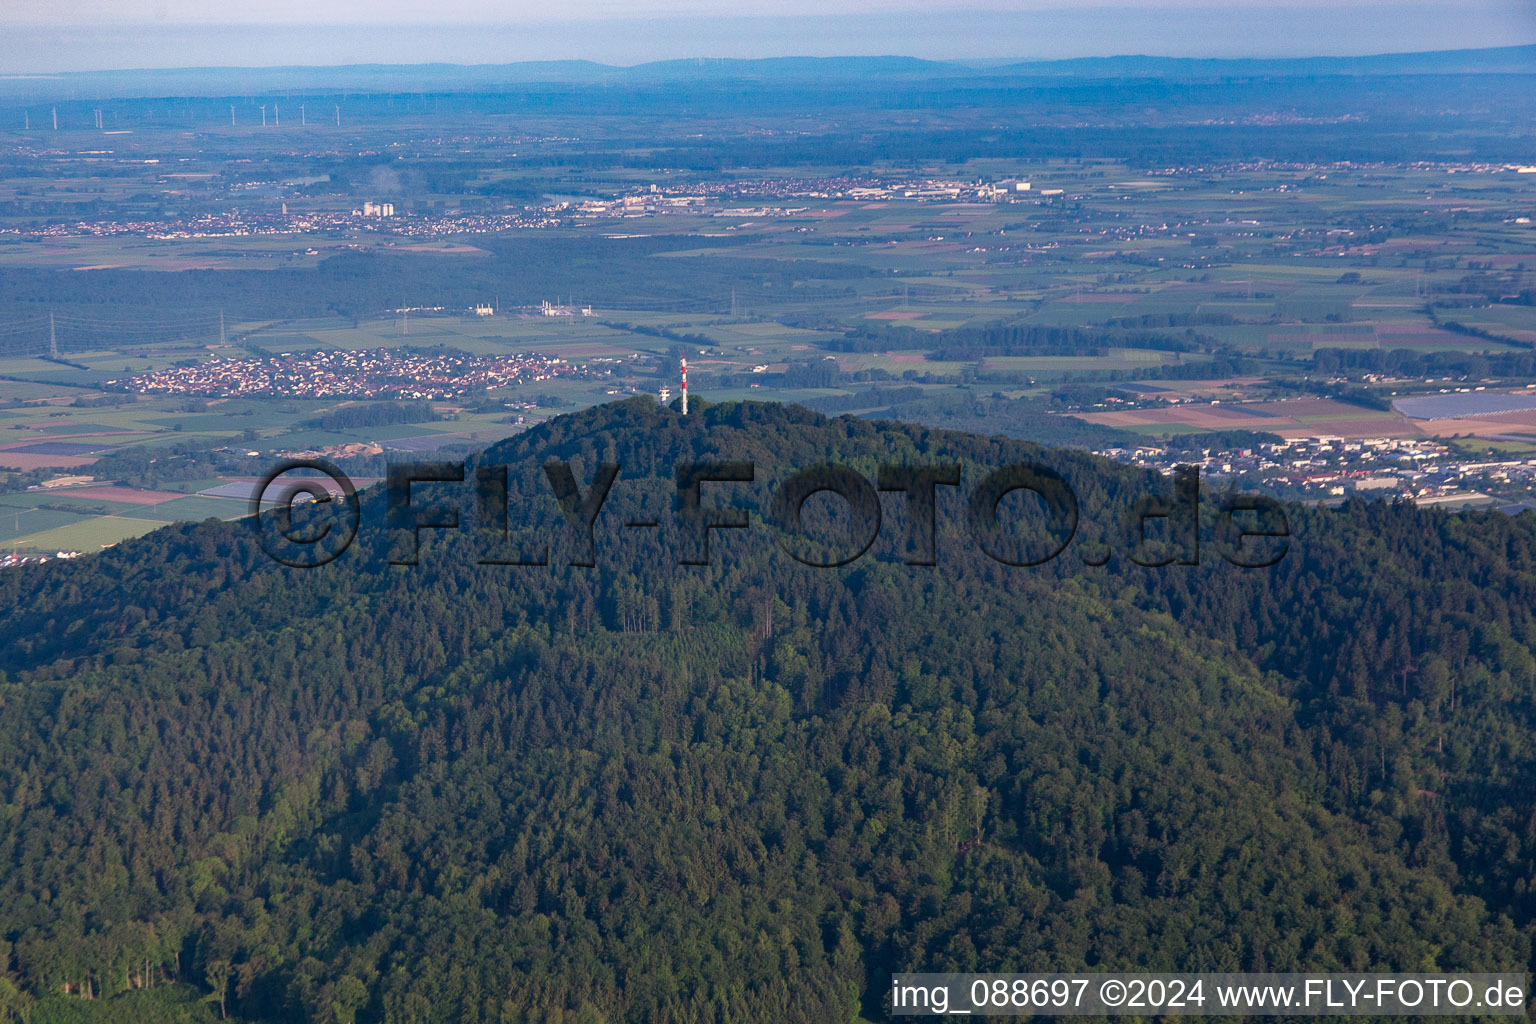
749	791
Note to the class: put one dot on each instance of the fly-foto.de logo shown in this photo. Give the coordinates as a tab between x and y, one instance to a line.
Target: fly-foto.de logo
1248	531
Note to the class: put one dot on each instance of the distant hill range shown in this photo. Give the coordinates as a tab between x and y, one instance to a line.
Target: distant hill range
410	78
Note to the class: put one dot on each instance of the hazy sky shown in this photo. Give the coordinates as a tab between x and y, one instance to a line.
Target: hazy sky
65	35
75	13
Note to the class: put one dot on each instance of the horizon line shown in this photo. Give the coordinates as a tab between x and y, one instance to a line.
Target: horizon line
961	62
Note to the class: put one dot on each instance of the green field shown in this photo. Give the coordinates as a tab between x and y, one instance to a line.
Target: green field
84	535
194	509
83	505
18	522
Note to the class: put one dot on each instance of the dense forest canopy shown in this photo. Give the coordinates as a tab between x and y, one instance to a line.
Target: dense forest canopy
751	790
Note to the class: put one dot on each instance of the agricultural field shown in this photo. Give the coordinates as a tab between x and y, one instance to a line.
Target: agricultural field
1121	298
1294	418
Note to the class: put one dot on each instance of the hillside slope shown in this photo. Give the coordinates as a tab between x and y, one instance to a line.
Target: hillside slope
751	790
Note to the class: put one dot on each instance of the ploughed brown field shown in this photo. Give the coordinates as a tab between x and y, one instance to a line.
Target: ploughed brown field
127	495
25	461
1305	417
